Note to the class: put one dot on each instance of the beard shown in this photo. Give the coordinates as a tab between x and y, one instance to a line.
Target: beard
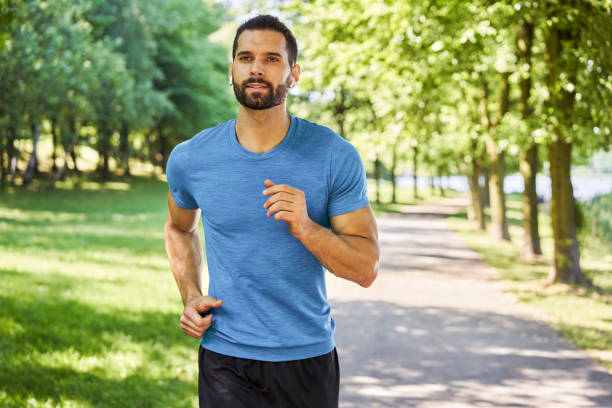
261	100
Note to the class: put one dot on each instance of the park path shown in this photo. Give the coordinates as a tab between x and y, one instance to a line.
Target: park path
437	330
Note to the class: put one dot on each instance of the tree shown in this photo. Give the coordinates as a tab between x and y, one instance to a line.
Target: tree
579	88
529	162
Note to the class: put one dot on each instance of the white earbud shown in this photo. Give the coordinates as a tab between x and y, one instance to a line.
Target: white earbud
230	81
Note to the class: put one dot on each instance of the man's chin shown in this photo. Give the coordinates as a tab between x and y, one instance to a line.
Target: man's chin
258	104
258	107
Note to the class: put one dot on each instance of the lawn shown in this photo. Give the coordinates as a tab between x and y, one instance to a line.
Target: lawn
583	316
88	308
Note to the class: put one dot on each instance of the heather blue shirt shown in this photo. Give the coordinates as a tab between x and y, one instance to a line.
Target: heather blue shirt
275	304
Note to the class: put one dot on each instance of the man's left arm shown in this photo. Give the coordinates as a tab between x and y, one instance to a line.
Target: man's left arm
350	250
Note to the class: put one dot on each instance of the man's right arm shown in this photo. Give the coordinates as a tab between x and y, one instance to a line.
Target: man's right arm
185	253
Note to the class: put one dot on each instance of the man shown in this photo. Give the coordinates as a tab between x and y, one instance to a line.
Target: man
269	187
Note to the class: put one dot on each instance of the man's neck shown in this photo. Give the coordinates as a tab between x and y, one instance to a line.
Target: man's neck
261	130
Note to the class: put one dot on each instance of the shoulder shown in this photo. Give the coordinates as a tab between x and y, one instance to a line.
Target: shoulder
210	136
315	134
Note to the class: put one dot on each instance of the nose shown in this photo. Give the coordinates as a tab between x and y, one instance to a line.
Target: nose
256	68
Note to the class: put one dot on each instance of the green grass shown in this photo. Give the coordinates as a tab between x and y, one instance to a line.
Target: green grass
88	307
583	316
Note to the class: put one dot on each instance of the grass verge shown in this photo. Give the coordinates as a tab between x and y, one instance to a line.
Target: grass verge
584	317
89	312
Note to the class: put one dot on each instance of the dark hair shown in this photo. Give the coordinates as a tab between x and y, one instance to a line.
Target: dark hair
268	22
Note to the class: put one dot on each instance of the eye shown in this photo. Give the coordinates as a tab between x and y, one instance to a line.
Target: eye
245	58
273	59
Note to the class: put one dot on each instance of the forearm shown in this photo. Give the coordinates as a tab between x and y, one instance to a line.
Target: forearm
350	257
186	257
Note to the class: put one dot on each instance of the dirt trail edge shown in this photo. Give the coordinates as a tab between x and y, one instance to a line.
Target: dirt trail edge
437	330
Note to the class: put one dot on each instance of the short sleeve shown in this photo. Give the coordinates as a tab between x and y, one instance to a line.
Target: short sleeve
177	177
348	180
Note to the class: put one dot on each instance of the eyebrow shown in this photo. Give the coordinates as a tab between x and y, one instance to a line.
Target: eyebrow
249	53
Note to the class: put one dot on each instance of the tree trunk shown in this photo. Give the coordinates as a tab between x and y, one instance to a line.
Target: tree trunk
12	155
497	157
2	163
475	210
106	168
529	168
104	142
377	178
32	163
563	216
566	264
73	156
528	161
499	221
163	148
69	150
485	191
124	149
415	161
54	138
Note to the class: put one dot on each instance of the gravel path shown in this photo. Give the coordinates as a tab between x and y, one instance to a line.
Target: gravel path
437	330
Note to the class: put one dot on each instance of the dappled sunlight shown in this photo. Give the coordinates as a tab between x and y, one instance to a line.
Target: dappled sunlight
468	357
523	352
403	391
444	333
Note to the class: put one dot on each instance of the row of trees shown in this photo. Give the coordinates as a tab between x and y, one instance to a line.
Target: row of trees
467	86
448	85
129	78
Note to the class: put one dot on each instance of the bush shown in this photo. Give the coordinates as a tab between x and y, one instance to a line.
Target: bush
598	212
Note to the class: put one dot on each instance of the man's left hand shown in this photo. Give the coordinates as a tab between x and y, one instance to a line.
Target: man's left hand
288	204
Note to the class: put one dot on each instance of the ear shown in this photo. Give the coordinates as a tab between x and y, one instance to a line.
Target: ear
295	73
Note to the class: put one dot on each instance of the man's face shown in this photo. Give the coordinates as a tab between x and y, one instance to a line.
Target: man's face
261	71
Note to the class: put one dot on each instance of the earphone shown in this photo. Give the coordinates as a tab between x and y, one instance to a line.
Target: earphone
230	81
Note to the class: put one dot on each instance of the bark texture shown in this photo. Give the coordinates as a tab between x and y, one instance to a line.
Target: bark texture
497	158
33	162
476	210
529	168
566	264
528	160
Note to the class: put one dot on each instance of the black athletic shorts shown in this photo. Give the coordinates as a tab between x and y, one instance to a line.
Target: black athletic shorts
232	382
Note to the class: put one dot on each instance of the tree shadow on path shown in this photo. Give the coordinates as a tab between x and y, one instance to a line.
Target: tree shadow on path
397	356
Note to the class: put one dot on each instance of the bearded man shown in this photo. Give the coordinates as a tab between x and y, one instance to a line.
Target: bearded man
282	199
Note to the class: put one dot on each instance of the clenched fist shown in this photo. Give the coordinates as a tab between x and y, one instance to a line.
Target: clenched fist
288	204
195	320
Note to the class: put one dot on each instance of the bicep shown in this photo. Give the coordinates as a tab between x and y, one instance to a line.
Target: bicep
184	220
359	223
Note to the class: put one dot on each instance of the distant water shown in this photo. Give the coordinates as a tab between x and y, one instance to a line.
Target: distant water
585	188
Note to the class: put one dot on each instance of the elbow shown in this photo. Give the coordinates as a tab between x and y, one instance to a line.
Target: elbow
371	273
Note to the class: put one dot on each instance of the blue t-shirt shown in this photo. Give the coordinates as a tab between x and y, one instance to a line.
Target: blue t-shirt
275	304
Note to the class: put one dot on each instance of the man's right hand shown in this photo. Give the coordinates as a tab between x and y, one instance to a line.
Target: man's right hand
192	322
